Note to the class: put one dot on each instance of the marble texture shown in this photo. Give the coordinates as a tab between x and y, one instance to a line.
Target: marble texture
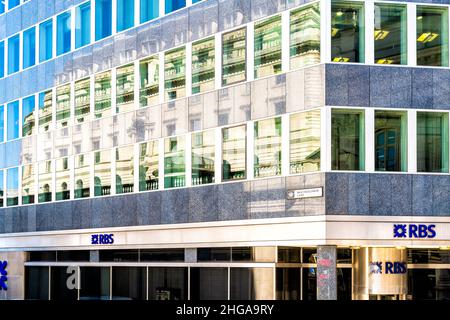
326	273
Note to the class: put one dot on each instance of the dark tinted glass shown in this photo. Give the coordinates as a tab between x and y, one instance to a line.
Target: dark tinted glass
214	254
73	255
162	255
59	289
42	256
36	283
129	283
119	255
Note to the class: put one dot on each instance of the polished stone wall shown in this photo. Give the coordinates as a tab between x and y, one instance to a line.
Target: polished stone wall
326	273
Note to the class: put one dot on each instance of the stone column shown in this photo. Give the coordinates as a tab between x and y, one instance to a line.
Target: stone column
190	255
326	273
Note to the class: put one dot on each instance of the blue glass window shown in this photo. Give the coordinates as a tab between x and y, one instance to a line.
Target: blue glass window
195	1
63	33
28	116
83	25
13	120
45	40
2	123
125	14
172	5
103	19
2	59
149	10
13	3
12	187
13	54
2	6
29	47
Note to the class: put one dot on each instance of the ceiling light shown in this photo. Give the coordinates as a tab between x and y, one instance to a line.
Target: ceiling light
427	37
381	34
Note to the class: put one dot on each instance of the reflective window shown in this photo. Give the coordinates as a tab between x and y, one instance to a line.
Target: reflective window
63	185
251	283
29	47
45	181
347	32
2	123
124	169
305	142
103	94
167	283
82	176
234	147
432	142
63	33
125	14
13	54
45	110
45	40
95	283
432	36
390	141
390	34
172	5
148	166
28	184
175	74
209	284
58	287
203	157
288	284
203	66
233	57
28	116
2	6
125	88
149	10
174	162
129	283
83	25
103	19
267	148
82	99
347	140
63	105
12	187
149	88
2	59
268	47
13	3
13	120
305	36
2	189
102	173
36	287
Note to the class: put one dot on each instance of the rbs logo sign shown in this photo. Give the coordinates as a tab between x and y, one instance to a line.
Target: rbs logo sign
414	231
102	238
3	275
388	267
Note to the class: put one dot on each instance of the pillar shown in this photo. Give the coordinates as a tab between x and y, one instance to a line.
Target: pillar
326	273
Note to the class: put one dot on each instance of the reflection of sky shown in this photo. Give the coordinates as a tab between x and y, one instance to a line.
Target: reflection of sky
1	183
27	107
13	120
12	179
2	123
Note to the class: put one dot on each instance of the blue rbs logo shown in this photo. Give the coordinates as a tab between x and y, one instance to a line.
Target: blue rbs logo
3	275
415	231
388	267
107	238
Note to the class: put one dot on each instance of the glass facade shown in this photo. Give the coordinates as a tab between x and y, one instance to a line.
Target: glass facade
305	142
125	88
82	176
45	104
62	185
63	102
124	169
63	33
390	34
172	5
347	140
2	59
305	36
103	19
149	10
102	94
203	151
432	142
149	84
203	66
432	36
267	148
268	47
174	162
46	40
13	54
29	48
13	120
102	173
45	181
347	31
175	74
234	66
83	25
28	116
82	99
234	153
12	186
148	166
125	14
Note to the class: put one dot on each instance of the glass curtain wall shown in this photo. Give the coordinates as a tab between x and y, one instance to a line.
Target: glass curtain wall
2	59
83	25
305	36
82	99
390	34
174	162
124	169
63	105
432	142
234	153
125	88
149	88
175	74
63	33
28	184
102	173
149	10
29	48
45	40
125	14
82	176
305	142
347	140
13	54
102	94
267	148
432	36
63	185
45	110
103	19
13	120
347	31
203	66
203	150
2	188
148	166
28	116
268	47
234	57
390	141
2	123
45	181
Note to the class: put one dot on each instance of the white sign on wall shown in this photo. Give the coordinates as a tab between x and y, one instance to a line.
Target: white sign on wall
305	193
